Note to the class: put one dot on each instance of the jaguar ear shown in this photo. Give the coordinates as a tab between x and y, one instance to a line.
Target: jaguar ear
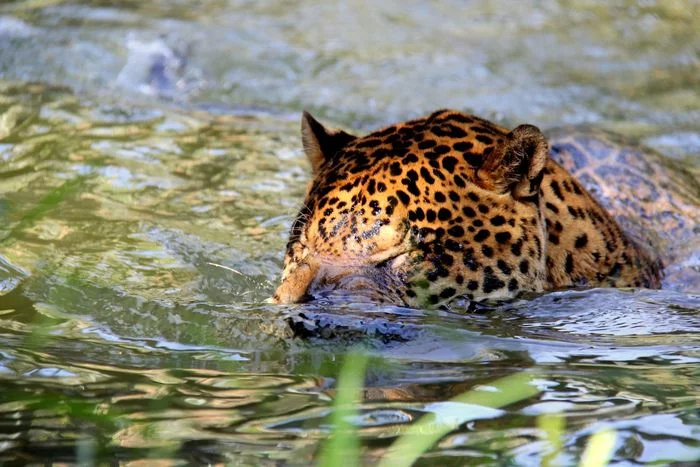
517	164
321	143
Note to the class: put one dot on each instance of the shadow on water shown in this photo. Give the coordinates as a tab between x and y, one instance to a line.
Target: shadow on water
142	228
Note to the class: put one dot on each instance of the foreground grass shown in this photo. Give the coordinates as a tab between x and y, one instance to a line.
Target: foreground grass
343	446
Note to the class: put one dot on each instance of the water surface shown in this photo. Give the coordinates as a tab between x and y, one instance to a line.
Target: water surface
150	169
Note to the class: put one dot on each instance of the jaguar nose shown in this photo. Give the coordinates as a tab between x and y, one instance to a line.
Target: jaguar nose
295	287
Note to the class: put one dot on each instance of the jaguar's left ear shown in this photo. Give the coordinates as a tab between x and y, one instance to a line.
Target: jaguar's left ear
321	143
517	164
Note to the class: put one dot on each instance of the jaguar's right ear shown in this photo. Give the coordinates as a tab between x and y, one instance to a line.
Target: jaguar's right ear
321	143
517	165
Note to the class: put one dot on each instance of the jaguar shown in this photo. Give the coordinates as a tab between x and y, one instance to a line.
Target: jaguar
452	205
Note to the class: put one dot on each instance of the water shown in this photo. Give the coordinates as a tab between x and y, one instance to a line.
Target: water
150	169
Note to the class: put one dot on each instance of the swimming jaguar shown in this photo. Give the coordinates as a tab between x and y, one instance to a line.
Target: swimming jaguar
452	205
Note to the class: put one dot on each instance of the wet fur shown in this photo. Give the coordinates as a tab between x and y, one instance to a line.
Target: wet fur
450	205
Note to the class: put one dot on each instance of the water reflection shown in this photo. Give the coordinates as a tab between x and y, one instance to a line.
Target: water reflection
132	413
69	383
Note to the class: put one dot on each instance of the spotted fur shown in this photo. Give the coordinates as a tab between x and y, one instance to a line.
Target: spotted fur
450	205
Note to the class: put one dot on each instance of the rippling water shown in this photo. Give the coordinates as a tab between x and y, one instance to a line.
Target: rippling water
150	169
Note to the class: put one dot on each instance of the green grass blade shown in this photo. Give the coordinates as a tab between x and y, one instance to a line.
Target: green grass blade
552	425
53	198
343	447
599	449
422	435
47	203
